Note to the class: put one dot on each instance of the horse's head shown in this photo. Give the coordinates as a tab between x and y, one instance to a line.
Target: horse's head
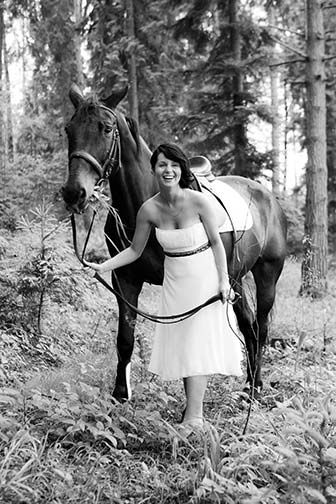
94	146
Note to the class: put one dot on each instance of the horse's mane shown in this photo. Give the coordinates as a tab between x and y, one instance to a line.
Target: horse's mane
134	129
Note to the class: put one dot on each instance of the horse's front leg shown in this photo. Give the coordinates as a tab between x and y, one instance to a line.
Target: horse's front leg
130	290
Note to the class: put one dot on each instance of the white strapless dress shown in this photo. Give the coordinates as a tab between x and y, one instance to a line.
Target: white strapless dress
207	342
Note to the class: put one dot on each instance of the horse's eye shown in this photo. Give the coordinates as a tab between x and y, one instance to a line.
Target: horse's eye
108	129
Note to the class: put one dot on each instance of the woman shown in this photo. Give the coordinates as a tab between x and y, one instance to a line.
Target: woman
195	269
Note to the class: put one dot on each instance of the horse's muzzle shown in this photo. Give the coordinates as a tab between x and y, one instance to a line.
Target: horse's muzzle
75	200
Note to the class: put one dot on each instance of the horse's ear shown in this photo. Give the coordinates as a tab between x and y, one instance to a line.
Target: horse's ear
76	95
115	98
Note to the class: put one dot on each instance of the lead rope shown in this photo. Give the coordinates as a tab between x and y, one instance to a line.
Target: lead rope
161	319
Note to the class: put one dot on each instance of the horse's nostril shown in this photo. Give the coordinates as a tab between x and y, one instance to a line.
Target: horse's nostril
82	194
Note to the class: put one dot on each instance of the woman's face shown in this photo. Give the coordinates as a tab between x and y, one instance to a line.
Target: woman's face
168	172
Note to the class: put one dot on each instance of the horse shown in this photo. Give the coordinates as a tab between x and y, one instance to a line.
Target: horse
103	143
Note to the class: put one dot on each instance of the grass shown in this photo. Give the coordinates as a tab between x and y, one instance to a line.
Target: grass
63	439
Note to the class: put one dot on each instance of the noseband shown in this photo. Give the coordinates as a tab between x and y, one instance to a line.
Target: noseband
113	159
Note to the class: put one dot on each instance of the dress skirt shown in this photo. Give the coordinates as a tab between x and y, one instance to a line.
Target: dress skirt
208	342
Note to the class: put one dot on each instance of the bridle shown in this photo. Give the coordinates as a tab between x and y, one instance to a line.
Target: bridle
113	158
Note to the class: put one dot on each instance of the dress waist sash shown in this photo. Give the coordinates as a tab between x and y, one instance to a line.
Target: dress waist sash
197	250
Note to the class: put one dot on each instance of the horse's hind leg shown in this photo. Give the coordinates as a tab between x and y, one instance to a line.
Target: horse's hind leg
125	338
266	274
245	318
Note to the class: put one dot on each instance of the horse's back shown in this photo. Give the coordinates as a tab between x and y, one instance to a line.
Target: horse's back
269	220
262	202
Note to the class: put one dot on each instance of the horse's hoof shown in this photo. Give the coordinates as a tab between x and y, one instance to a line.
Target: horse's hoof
122	391
252	392
120	394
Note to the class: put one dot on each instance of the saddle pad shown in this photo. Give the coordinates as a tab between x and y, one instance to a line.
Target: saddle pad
234	203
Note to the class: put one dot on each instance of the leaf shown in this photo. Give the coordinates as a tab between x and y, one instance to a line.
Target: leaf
6	422
286	452
317	437
109	437
330	454
118	432
316	494
4	399
10	391
331	491
64	475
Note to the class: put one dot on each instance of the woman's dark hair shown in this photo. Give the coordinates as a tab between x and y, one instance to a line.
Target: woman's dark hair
174	153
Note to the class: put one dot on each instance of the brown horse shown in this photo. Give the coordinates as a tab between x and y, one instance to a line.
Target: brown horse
103	143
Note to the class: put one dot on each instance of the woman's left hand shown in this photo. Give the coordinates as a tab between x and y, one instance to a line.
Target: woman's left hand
226	291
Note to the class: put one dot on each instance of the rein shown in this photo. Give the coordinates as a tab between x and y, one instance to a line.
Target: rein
161	319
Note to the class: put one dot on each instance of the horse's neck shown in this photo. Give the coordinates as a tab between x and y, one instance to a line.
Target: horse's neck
134	183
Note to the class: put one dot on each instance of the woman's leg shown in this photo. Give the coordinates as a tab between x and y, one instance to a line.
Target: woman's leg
195	387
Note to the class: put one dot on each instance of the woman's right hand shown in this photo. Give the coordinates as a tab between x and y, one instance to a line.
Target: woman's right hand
95	266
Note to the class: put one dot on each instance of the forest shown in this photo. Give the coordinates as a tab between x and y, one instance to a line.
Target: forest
250	84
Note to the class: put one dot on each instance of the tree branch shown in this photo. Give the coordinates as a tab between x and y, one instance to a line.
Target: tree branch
326	58
286	30
286	46
297	60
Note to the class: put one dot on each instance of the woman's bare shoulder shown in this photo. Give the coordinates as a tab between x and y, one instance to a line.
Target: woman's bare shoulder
197	197
149	208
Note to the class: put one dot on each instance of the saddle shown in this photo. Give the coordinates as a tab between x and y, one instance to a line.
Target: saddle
220	193
201	167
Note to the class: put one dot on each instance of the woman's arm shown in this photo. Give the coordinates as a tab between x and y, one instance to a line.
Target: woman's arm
209	220
134	251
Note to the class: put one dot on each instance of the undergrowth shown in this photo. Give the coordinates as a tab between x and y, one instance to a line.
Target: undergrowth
64	439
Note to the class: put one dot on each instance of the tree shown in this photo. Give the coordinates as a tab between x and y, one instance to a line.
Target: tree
79	77
225	83
314	266
274	77
131	63
3	159
239	127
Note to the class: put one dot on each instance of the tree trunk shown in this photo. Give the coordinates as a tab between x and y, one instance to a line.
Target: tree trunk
275	118
77	5
2	88
132	68
314	266
7	95
285	137
239	131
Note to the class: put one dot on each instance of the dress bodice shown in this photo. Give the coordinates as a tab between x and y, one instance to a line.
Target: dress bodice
182	240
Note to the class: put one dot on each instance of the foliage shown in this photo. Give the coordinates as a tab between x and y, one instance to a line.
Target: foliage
39	273
29	180
63	438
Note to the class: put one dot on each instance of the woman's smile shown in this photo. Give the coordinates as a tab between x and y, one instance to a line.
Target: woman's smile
167	170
